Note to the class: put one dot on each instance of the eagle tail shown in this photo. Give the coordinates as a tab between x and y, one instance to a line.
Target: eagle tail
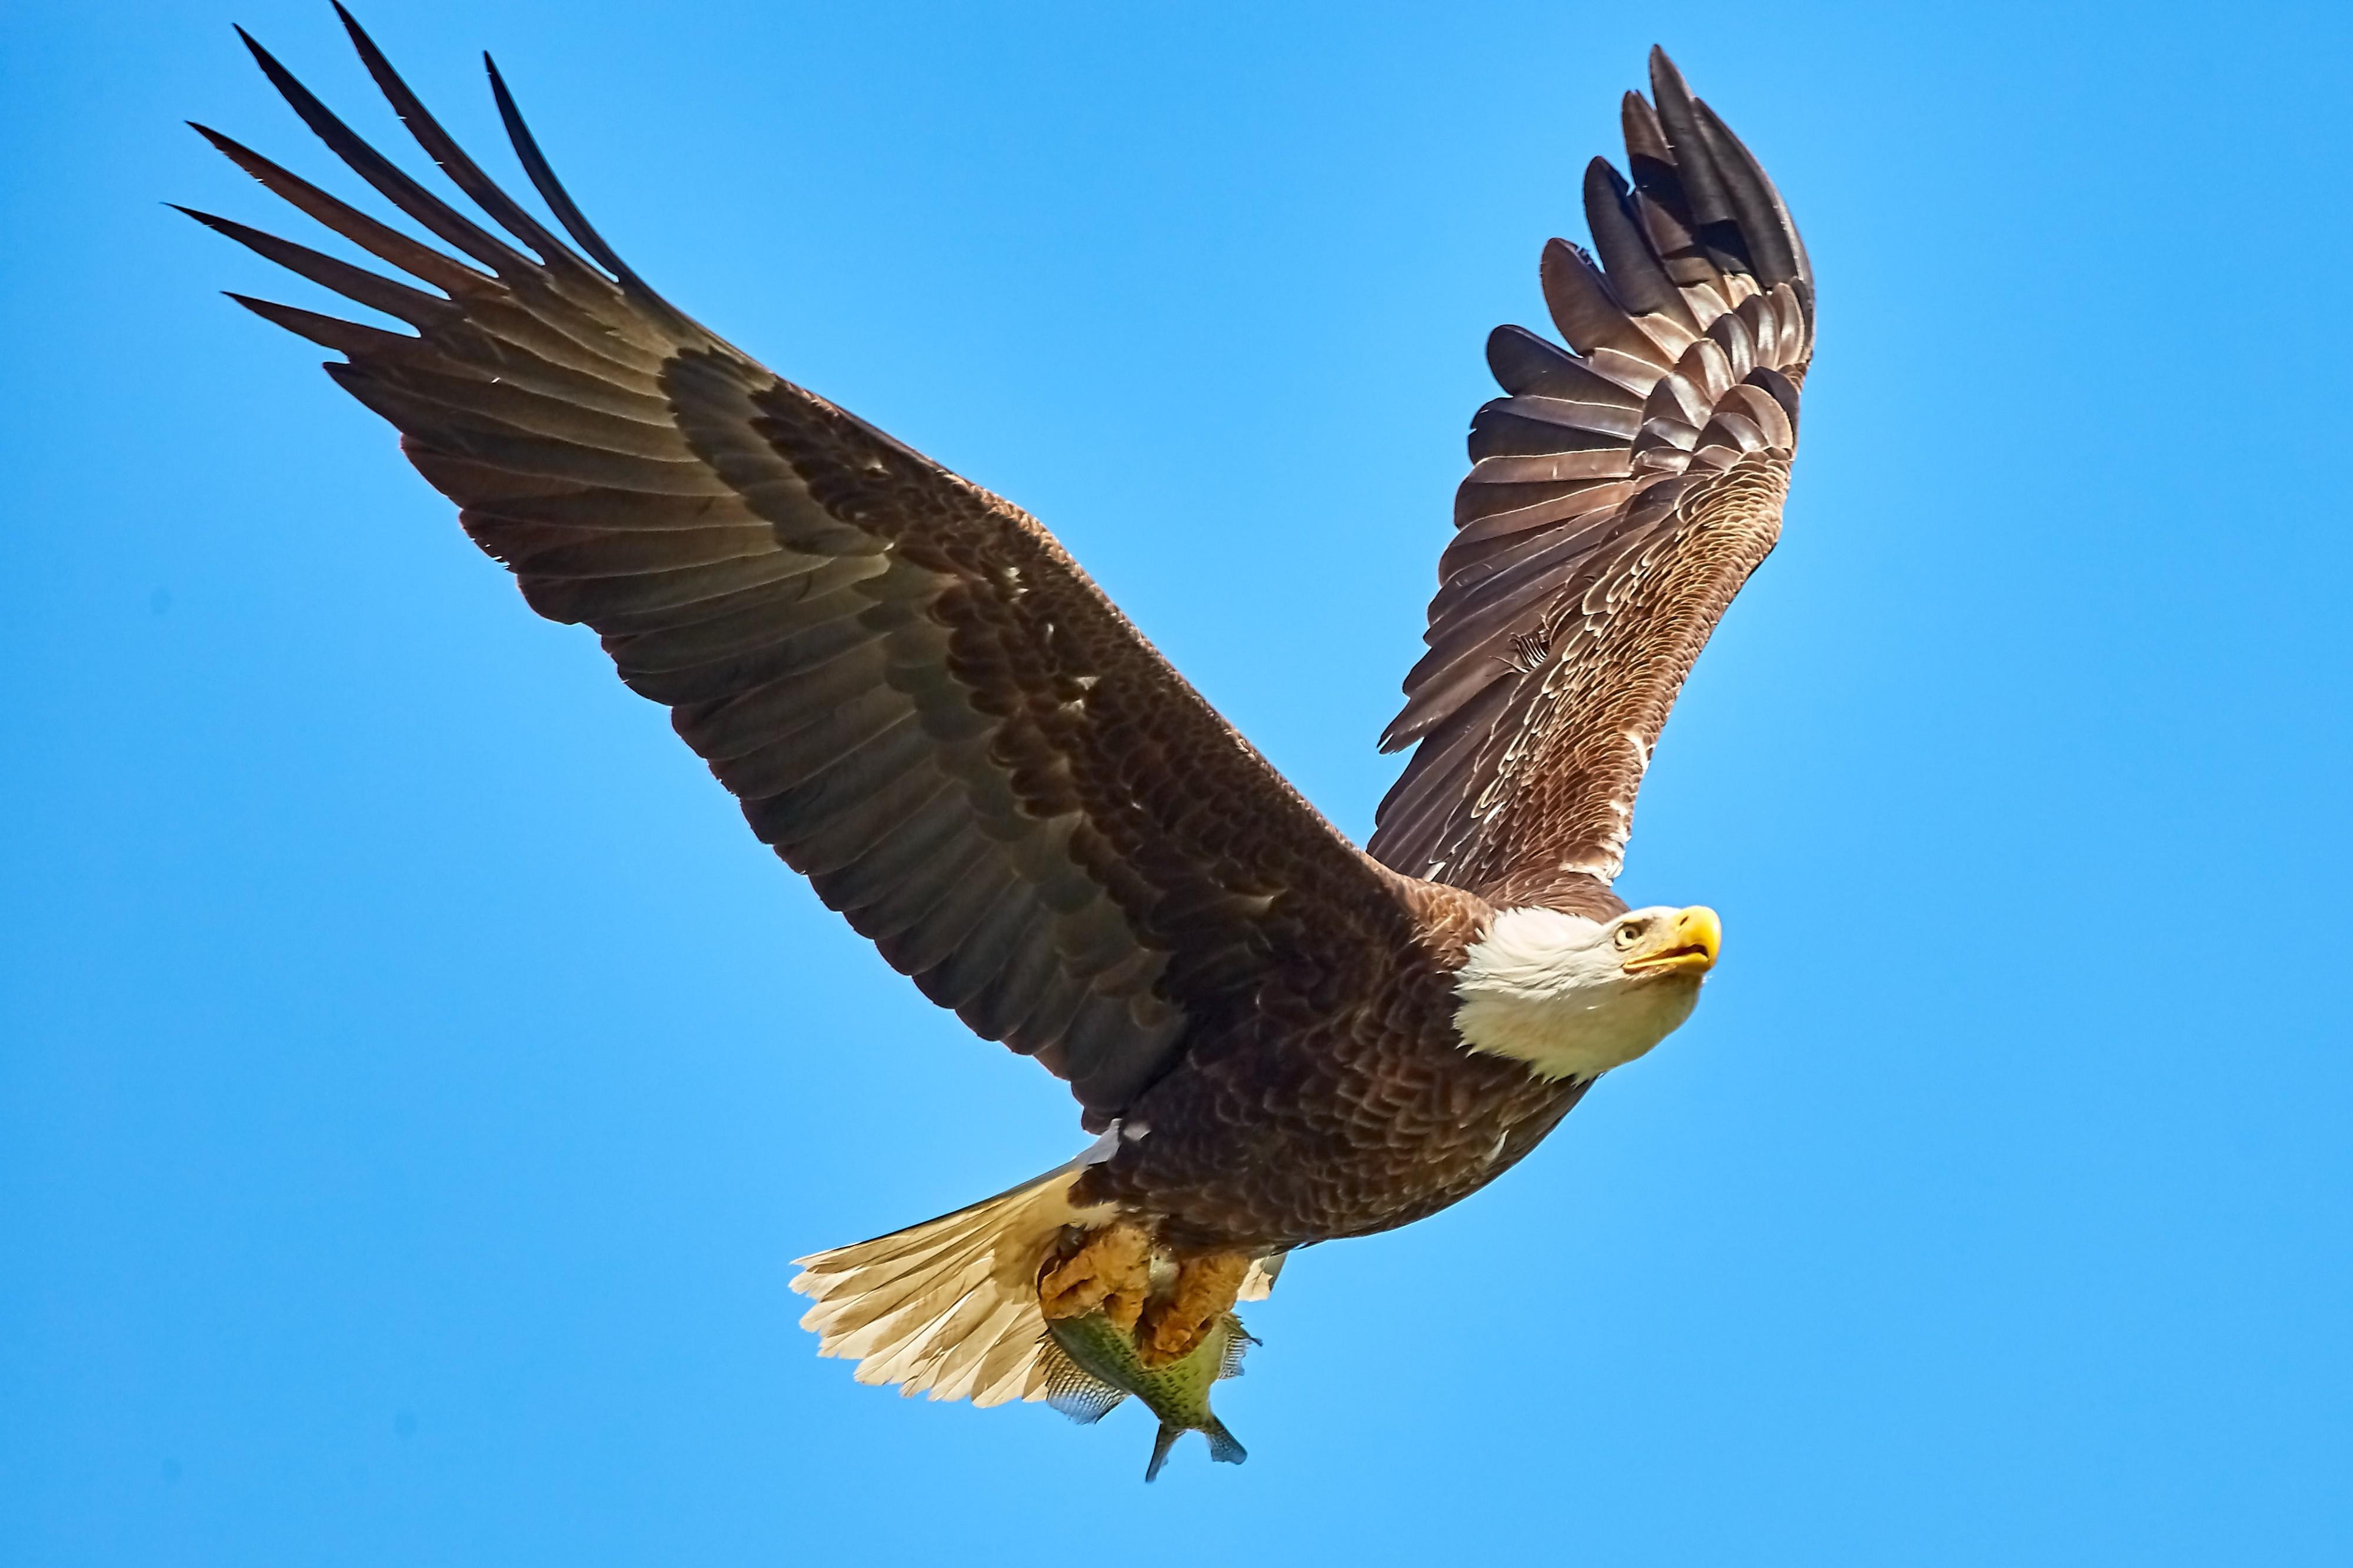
948	1308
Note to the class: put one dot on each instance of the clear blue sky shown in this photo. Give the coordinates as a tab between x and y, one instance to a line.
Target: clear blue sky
414	1080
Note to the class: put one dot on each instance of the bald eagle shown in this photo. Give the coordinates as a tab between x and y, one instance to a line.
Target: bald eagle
929	711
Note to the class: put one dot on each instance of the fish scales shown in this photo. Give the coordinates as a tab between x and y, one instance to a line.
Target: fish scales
1098	1366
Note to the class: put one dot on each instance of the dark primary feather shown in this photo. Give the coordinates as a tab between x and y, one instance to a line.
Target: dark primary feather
921	702
1618	496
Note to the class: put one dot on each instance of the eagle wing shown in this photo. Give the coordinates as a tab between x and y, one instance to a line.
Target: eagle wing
1618	498
921	702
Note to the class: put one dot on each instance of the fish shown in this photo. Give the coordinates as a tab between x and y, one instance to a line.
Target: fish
1091	1365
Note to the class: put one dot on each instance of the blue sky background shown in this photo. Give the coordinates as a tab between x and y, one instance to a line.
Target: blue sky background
414	1080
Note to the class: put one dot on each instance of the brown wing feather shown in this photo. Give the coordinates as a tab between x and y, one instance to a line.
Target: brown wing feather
921	702
1618	496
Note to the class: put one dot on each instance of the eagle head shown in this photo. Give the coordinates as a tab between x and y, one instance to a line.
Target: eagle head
1573	997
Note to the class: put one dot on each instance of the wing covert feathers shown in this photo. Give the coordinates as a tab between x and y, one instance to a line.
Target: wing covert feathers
1619	493
920	701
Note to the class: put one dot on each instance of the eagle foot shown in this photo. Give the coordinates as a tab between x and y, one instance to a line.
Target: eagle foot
1174	1326
1111	1268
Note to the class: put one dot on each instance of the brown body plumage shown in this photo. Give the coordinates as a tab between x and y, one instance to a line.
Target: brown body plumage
1341	1102
930	710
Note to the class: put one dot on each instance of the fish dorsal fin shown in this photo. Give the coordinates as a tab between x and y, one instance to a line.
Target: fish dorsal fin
1071	1389
1238	1344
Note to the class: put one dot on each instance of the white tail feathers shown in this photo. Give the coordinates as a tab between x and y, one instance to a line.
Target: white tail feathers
948	1308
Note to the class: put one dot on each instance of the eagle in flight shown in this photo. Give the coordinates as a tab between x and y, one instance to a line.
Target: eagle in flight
929	711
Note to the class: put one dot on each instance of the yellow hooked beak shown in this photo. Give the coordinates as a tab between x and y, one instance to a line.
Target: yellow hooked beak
1687	945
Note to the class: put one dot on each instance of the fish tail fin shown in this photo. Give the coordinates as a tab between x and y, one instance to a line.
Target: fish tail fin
1222	1446
1169	1433
948	1308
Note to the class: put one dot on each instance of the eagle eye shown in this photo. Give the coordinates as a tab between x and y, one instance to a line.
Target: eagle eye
1630	934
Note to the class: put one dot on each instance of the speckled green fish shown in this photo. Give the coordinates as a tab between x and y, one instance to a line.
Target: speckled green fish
1091	1364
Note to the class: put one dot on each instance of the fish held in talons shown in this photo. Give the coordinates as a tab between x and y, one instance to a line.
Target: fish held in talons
1091	1364
1107	1270
1175	1322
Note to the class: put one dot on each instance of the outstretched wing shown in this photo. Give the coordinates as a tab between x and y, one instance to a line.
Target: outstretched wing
1618	498
920	701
